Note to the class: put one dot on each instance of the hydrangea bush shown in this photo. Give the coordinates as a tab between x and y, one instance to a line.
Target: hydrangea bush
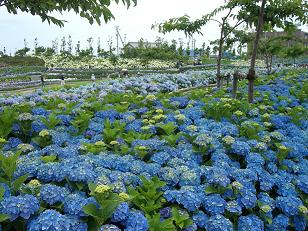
138	155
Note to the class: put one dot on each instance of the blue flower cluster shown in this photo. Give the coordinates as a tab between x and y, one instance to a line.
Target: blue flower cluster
51	220
221	172
19	206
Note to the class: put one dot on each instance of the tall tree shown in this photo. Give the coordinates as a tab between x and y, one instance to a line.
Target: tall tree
70	45
252	73
270	47
190	27
270	14
92	10
255	14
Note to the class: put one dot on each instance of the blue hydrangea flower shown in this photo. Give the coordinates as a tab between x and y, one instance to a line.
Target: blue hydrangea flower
289	205
302	183
218	176
247	199
74	203
287	189
280	223
39	111
52	194
136	221
192	227
19	206
121	213
165	212
214	204
300	223
160	157
169	175
250	223
240	148
219	223
188	177
200	219
266	180
233	207
51	220
265	199
189	200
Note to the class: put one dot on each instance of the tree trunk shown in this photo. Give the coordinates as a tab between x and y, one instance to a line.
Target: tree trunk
234	83
267	64
271	63
252	73
221	41
228	79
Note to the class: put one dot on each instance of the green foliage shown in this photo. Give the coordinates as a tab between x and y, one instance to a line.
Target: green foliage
166	129
300	90
91	10
7	118
216	189
250	129
51	122
42	141
282	152
22	61
53	103
68	108
3	217
181	220
49	159
22	52
107	201
298	114
172	139
82	121
141	152
8	165
112	130
225	108
148	197
130	136
178	221
161	51
155	224
95	148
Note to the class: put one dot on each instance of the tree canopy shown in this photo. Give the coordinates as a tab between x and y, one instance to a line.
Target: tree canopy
277	14
92	10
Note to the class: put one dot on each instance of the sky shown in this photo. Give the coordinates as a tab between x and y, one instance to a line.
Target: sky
134	22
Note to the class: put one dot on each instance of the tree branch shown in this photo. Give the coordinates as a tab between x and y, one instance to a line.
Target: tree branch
215	20
233	28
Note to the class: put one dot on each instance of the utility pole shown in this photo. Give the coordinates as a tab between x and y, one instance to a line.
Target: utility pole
117	34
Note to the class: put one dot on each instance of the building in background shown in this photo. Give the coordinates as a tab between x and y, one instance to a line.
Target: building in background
296	37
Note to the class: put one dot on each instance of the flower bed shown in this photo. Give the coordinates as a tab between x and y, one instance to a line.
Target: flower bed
128	155
103	63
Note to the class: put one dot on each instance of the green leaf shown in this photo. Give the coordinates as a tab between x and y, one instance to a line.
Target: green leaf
182	221
91	210
215	190
4	217
2	191
155	224
92	187
48	159
19	181
108	207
